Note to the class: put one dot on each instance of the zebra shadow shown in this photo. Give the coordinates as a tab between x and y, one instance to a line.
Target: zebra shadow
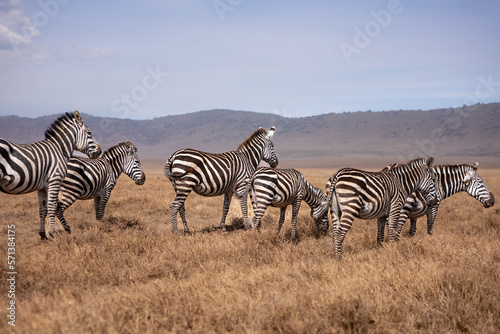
236	224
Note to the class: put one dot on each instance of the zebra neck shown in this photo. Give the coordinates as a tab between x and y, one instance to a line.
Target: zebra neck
64	140
407	180
253	152
116	163
312	194
450	180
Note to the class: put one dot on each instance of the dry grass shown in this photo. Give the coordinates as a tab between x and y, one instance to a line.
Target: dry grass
130	274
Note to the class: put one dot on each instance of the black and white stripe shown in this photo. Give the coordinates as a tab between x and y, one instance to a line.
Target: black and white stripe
284	187
218	174
96	178
451	179
41	166
426	193
354	193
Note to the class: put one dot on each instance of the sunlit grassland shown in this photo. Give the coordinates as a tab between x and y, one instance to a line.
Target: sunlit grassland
128	273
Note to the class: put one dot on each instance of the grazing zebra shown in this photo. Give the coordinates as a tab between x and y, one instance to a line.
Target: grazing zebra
218	174
95	179
451	179
284	187
354	193
42	165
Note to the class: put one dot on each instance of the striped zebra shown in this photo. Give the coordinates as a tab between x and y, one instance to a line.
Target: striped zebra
426	191
284	187
451	179
354	193
41	166
218	174
95	179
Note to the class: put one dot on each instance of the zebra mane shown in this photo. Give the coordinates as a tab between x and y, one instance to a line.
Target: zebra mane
473	166
260	131
398	166
65	118
119	146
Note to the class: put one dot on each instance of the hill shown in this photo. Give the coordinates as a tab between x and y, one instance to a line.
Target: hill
471	131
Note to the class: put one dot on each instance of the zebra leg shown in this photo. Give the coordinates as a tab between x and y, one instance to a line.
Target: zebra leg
225	208
339	233
42	210
97	199
401	221
52	197
67	199
295	211
182	213
395	214
101	205
178	205
381	222
60	215
259	211
431	217
282	218
242	194
413	227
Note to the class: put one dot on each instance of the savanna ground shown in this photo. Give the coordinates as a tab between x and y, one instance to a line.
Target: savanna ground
129	273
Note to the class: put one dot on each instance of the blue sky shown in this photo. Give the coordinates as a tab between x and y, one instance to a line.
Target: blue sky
152	58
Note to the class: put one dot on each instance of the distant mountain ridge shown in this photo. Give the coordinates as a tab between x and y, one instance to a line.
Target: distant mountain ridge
468	131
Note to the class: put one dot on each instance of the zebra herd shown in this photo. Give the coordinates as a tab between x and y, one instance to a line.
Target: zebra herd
392	195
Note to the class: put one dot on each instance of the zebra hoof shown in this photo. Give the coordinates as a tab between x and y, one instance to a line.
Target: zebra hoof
68	229
187	231
43	236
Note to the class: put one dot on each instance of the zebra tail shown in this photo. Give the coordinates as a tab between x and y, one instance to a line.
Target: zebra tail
333	200
167	171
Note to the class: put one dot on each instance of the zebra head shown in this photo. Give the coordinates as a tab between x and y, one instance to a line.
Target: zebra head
269	155
85	142
427	183
476	187
428	187
132	165
320	215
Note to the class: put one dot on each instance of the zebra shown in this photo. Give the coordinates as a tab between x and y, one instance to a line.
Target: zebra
284	187
41	166
354	193
95	179
451	179
426	191
218	174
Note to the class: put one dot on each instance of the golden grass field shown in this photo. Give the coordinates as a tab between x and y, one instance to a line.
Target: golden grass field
130	274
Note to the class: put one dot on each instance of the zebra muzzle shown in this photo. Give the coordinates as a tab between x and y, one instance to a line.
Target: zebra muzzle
489	203
141	181
94	154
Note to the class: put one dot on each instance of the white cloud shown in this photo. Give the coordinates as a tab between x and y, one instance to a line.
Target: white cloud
16	29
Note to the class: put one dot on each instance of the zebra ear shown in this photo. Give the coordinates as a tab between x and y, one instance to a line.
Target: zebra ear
430	161
467	178
475	164
78	117
130	147
270	133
